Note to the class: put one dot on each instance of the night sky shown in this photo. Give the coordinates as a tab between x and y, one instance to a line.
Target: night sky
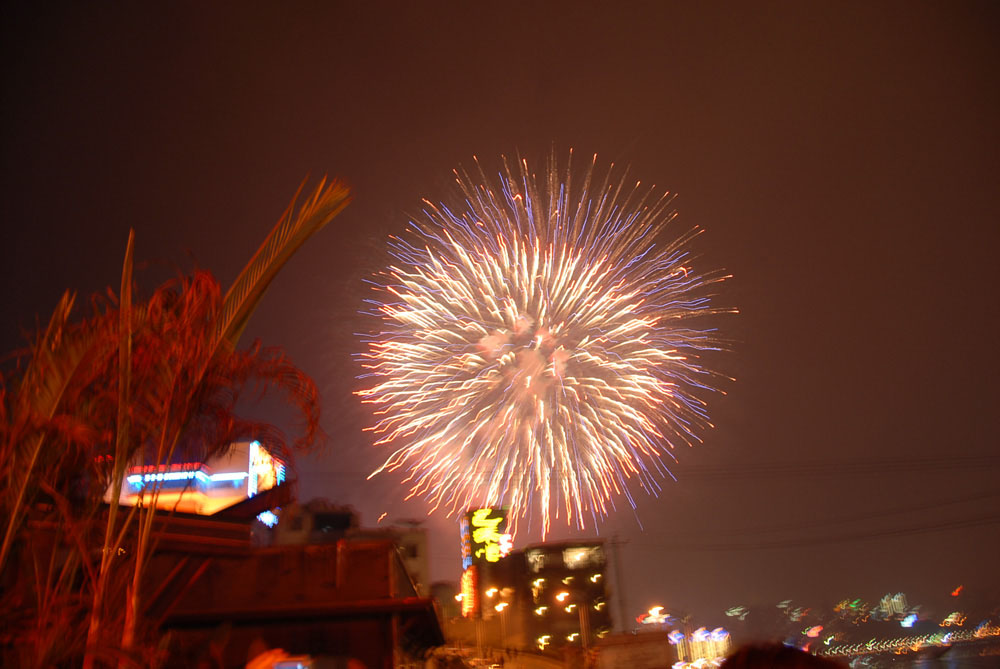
842	158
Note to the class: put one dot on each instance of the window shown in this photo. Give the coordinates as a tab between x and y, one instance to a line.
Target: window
331	522
580	557
538	560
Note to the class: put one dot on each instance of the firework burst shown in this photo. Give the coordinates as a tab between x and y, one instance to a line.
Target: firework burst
537	349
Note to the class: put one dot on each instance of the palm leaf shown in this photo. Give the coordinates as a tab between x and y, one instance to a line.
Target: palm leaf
55	359
292	230
121	441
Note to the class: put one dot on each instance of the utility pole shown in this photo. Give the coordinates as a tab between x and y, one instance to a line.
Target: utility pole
619	581
584	610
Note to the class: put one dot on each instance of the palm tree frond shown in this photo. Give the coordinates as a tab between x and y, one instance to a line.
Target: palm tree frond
292	230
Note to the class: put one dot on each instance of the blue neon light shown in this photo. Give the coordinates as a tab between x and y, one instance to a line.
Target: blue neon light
138	480
228	476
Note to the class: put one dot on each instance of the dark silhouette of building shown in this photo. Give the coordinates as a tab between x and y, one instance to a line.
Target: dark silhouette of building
546	597
224	600
318	521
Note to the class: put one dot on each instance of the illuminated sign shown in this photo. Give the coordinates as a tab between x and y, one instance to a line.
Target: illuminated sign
203	488
470	592
264	471
484	536
466	534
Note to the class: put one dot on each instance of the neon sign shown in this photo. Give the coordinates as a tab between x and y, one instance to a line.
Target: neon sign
198	487
466	534
470	592
484	536
264	471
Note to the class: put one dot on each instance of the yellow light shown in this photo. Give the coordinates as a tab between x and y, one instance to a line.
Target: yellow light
573	636
492	592
501	606
541	610
595	578
655	611
459	597
569	609
469	592
485	533
538	582
561	597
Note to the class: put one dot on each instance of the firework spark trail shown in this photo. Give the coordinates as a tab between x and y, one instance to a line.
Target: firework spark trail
534	350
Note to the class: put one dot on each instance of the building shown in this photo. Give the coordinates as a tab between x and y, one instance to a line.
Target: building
318	521
701	647
565	588
225	586
445	593
547	597
225	601
204	488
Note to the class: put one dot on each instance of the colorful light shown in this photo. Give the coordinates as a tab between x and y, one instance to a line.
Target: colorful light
739	612
536	347
483	536
195	488
955	618
268	518
469	585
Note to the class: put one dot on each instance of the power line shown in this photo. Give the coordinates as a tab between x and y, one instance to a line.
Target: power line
800	542
896	465
843	520
873	466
